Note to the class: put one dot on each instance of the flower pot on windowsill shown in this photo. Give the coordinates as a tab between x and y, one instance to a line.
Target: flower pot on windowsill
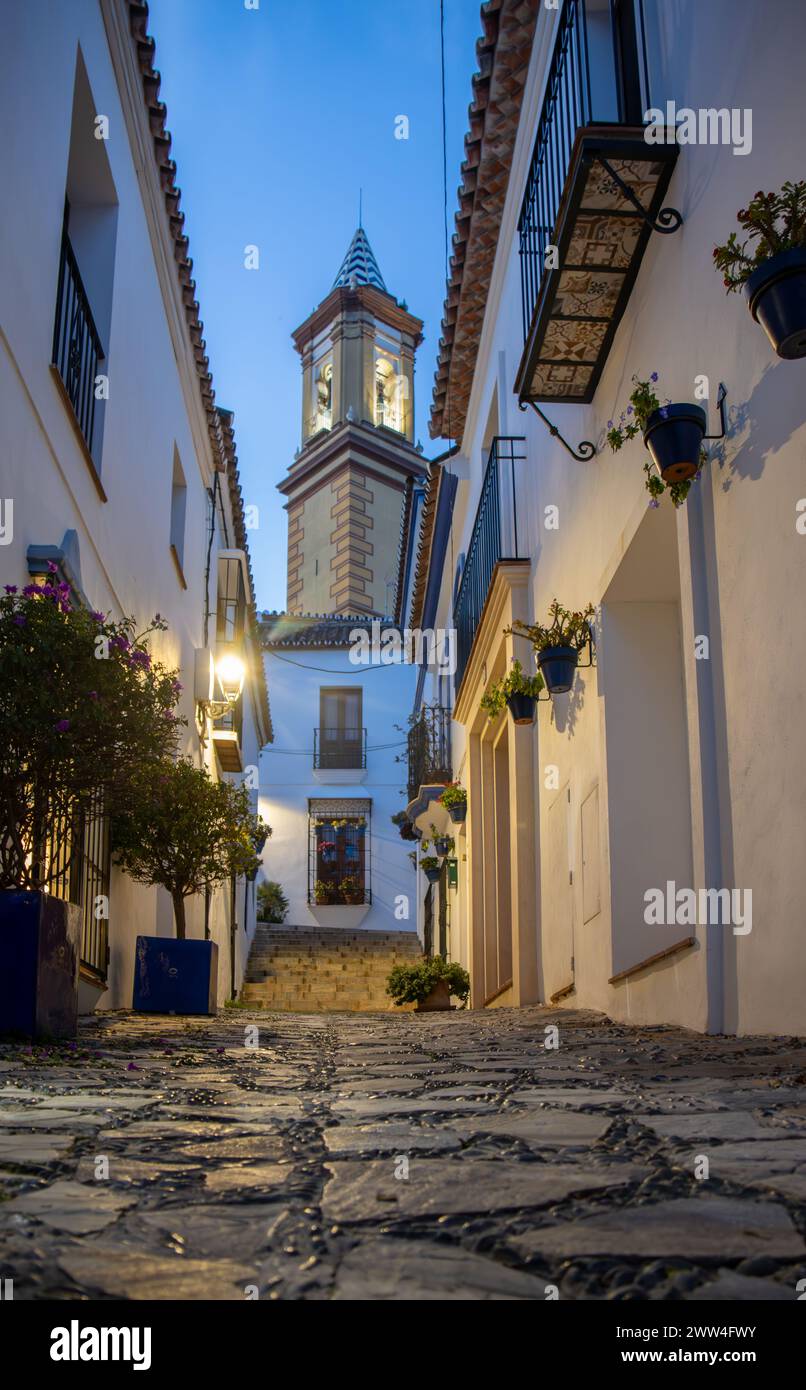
522	708
439	998
175	977
673	435
558	667
776	295
40	944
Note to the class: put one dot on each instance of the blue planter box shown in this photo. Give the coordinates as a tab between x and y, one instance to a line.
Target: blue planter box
175	977
40	943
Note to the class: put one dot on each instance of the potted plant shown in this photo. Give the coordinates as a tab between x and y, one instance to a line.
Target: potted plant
272	903
558	644
351	889
770	265
443	844
454	799
404	825
83	704
324	893
429	983
182	830
517	691
673	435
431	867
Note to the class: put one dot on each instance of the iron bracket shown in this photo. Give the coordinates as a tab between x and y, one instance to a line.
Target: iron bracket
668	219
723	415
586	449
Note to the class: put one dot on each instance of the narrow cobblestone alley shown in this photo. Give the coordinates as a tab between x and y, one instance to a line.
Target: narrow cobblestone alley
159	1158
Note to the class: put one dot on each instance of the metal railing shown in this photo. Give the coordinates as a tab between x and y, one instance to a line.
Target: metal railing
429	748
572	99
77	350
339	748
78	861
495	537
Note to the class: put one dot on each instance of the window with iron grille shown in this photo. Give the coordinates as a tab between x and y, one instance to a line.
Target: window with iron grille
339	858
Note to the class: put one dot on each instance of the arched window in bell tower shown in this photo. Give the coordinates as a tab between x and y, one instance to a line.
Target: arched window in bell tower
323	400
390	393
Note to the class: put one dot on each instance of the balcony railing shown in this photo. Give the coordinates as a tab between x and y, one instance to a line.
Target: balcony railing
496	536
429	749
339	748
591	42
77	350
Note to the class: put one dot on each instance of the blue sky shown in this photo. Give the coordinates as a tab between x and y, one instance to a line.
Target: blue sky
278	116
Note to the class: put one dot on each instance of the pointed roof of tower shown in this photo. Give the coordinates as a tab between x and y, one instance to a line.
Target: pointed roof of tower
360	264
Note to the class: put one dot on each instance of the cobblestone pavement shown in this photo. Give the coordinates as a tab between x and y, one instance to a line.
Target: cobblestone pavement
402	1157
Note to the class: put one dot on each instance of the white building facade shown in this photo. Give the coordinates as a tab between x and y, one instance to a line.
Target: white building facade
334	776
637	849
116	463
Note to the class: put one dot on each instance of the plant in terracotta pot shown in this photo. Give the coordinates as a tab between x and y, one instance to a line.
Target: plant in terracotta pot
352	891
430	866
325	894
558	643
516	691
454	799
673	436
429	984
770	265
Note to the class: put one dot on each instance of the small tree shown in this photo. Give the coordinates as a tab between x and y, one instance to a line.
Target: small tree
186	832
83	706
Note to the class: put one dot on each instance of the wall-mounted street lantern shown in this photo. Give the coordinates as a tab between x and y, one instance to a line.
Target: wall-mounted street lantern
223	672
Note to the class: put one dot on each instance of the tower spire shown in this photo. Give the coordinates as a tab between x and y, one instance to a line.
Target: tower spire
359	264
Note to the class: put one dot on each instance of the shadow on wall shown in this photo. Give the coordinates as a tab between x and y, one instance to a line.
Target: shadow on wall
764	425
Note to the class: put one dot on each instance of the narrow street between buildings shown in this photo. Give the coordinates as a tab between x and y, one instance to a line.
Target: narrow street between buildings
507	1154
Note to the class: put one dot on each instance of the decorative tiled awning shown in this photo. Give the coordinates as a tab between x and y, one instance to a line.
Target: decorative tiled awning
611	203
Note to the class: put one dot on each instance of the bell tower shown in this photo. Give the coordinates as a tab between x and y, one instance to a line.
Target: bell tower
345	487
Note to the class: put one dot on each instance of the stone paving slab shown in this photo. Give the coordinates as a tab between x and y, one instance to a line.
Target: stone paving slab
276	1166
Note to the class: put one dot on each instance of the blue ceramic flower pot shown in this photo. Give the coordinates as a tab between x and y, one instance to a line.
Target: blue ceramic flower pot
776	294
522	708
558	666
673	435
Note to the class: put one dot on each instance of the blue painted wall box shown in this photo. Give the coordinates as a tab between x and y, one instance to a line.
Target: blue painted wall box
40	942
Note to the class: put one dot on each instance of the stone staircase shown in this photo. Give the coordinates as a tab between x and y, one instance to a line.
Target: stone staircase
318	969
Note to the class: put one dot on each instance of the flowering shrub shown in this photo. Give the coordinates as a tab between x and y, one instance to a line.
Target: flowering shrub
644	401
83	706
775	222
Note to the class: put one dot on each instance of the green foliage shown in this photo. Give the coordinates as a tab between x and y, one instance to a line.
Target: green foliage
331	894
429	861
515	682
775	222
84	706
411	984
644	401
272	903
184	831
453	795
567	628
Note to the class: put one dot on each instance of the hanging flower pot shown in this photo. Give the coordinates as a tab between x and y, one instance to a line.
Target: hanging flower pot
776	294
522	708
442	845
454	799
558	666
431	867
673	434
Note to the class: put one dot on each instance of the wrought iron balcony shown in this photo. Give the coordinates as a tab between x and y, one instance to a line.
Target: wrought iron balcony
77	350
339	748
495	537
429	749
594	193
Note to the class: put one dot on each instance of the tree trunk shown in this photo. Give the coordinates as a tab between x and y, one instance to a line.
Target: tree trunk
179	915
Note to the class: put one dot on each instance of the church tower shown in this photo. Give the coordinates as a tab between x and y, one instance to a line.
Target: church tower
346	485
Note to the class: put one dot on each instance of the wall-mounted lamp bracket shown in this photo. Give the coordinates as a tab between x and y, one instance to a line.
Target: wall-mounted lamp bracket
586	449
667	221
723	414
